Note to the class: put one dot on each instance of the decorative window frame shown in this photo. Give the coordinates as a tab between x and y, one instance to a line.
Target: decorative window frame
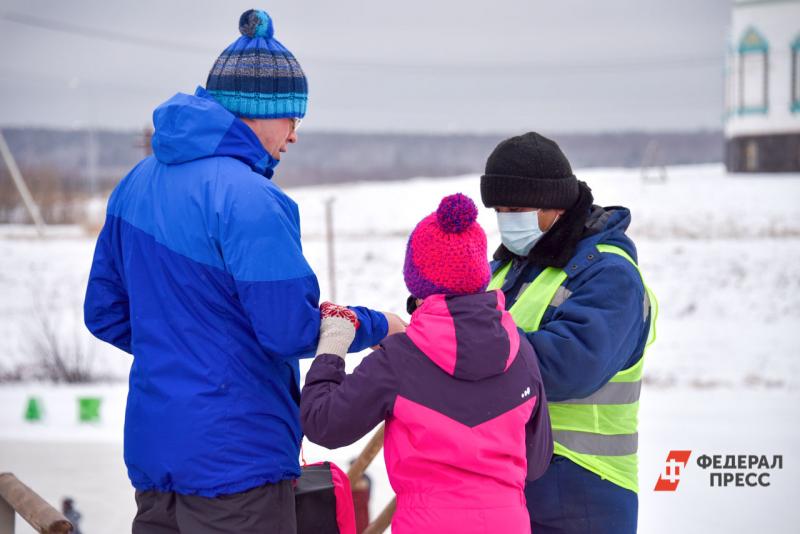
795	74
752	42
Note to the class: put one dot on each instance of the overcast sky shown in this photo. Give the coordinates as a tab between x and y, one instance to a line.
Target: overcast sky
414	66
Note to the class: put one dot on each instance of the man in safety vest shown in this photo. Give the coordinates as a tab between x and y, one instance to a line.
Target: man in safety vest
571	281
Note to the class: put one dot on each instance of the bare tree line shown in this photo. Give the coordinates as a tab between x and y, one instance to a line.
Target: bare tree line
61	198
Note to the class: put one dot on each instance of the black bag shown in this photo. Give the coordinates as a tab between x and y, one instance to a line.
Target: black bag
323	501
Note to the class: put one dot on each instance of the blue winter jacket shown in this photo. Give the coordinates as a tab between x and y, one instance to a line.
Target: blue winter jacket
600	329
199	273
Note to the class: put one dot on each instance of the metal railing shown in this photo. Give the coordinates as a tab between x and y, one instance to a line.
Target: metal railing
355	472
16	497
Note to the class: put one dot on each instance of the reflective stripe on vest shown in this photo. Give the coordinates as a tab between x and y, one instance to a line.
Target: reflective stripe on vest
598	432
598	444
611	393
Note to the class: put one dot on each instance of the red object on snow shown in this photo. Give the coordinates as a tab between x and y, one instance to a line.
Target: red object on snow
361	491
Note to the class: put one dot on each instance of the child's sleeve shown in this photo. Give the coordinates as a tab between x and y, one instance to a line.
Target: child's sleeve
539	438
337	409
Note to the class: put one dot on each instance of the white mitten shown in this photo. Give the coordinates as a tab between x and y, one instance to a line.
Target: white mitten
337	329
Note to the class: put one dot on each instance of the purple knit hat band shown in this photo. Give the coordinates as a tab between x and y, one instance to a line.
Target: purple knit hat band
446	252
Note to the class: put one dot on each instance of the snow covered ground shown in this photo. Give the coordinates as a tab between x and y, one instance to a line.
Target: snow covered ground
61	457
721	252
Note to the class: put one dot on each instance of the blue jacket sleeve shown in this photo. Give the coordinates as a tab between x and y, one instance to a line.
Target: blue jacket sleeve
593	334
260	241
106	311
260	244
373	329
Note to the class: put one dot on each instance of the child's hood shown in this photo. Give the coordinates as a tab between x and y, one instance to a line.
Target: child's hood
471	337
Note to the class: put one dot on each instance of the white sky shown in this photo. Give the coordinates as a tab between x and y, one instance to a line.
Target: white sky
421	66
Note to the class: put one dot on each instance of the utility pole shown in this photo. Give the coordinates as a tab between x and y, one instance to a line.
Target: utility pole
91	159
147	141
22	187
329	239
652	159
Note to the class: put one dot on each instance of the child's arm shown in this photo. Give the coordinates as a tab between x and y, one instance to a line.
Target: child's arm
337	409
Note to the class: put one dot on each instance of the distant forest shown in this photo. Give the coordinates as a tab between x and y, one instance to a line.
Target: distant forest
94	161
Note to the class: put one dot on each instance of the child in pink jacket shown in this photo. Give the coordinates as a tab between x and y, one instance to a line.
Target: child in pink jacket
460	390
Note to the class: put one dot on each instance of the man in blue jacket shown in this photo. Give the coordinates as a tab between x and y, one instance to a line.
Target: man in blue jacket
571	282
199	273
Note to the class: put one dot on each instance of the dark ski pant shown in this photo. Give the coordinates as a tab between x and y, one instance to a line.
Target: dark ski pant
569	499
265	509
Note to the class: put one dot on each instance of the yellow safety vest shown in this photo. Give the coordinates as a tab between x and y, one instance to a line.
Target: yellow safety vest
598	432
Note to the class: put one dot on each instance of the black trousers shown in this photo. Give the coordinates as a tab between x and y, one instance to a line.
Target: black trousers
267	509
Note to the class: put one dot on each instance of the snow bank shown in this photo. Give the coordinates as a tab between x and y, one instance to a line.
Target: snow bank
695	202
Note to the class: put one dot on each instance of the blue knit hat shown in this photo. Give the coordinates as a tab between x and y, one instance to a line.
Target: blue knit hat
256	76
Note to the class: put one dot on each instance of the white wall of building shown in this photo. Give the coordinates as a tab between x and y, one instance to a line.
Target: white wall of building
778	21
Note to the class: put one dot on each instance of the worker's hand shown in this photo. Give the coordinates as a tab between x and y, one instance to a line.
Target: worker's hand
396	324
337	329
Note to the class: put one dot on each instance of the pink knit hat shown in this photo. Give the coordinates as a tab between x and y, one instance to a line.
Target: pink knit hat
446	252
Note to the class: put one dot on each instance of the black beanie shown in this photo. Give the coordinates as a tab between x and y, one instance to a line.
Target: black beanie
529	171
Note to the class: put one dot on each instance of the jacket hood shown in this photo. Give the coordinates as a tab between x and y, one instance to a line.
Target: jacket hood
470	337
192	127
608	226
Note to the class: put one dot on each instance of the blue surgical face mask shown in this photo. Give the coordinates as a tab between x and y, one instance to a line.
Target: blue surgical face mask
519	230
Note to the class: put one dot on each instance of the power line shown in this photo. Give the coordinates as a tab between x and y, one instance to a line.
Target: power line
96	33
543	66
613	65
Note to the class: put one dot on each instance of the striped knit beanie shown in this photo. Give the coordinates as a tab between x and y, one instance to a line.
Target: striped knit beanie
446	252
256	76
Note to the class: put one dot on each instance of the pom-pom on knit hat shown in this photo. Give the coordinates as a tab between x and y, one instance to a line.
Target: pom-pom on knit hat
446	252
256	76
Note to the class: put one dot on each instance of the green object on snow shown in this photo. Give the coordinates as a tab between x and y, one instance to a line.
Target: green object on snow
89	409
33	411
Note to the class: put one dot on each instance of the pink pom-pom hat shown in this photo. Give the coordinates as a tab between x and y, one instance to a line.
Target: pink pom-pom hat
446	252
